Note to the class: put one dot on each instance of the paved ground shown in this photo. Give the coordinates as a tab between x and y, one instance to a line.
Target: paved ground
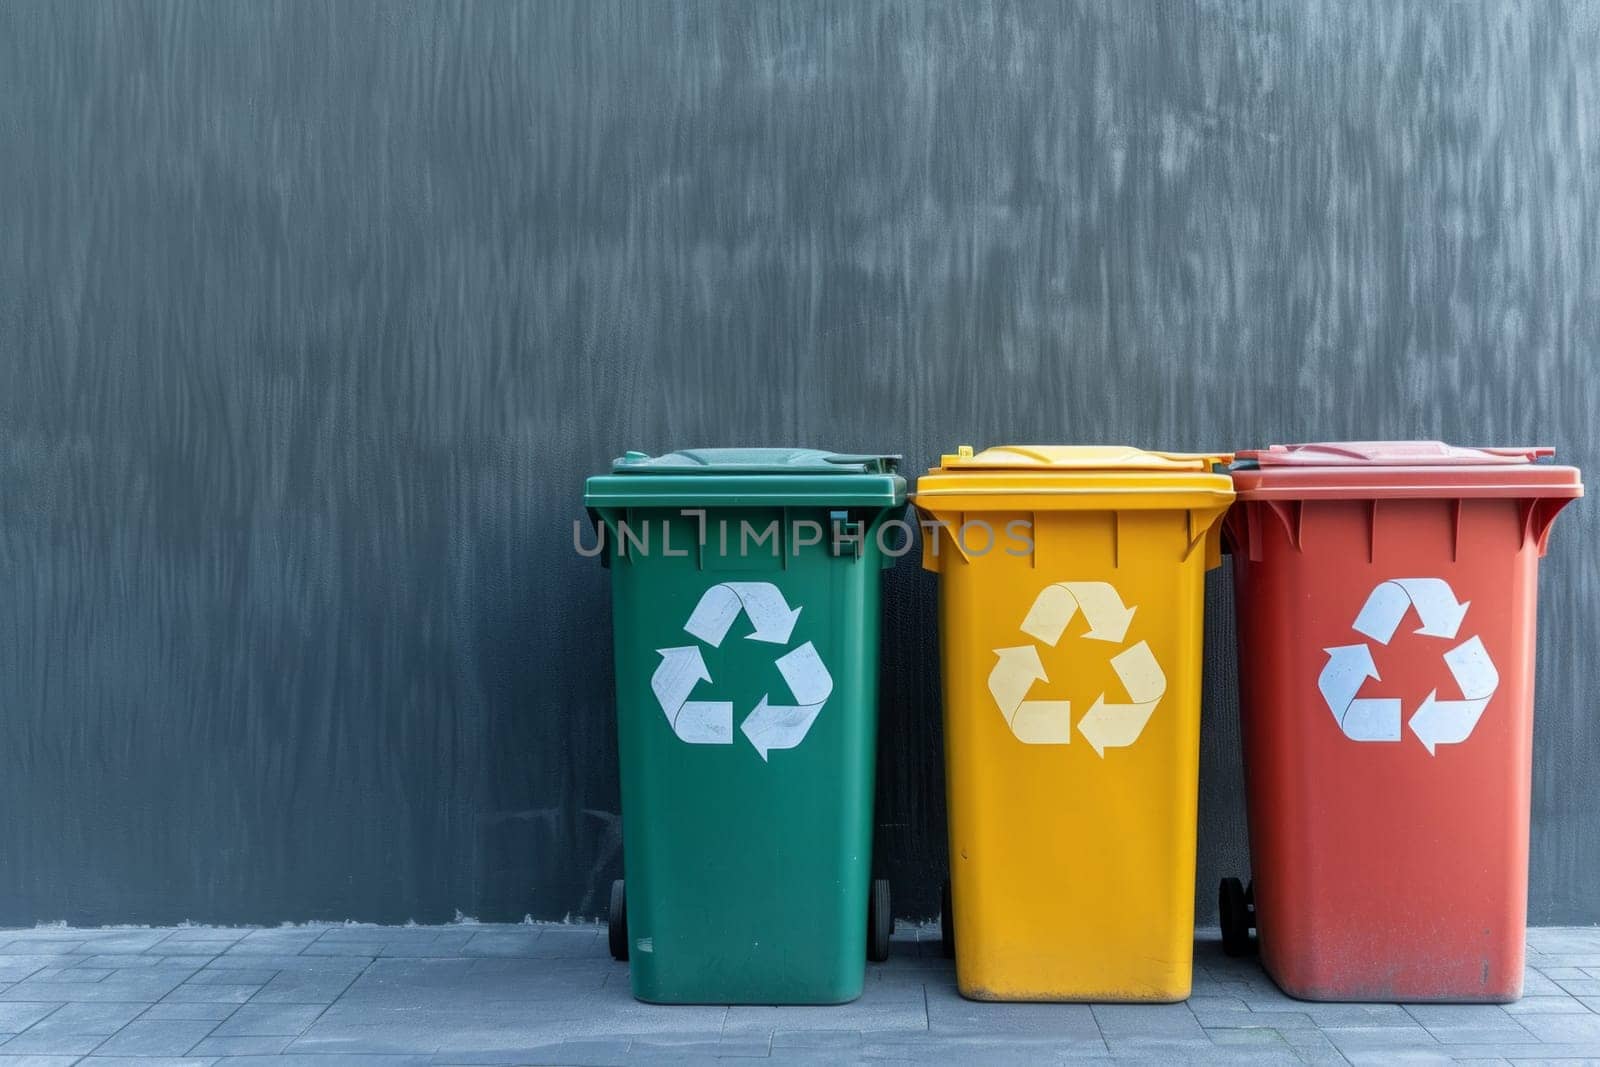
550	994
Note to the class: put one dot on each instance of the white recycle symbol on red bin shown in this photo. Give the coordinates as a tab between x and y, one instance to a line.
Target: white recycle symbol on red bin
1435	722
710	722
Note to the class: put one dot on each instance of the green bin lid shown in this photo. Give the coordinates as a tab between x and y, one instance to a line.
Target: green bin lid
735	477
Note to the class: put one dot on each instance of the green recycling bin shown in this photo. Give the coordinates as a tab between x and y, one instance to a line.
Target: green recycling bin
745	601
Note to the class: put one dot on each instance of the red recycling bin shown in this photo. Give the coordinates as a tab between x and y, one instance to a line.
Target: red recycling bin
1386	613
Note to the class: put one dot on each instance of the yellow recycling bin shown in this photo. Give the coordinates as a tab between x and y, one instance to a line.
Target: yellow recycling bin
1072	586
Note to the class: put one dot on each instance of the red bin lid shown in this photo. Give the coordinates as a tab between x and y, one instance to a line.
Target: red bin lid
1376	469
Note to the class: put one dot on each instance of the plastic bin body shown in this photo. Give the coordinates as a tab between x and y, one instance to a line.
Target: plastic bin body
1071	795
747	841
1389	843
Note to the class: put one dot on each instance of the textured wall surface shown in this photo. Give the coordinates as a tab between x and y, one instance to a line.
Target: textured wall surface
313	317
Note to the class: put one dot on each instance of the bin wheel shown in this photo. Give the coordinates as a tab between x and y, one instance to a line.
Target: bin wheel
1234	913
617	922
880	921
947	923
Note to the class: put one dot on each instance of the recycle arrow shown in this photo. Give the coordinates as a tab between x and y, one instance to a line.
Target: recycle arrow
1035	722
1347	668
699	722
1433	598
1119	725
1435	722
710	722
1049	722
1449	722
1055	605
769	613
772	726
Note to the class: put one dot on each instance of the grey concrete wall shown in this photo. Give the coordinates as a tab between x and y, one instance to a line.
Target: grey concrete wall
313	317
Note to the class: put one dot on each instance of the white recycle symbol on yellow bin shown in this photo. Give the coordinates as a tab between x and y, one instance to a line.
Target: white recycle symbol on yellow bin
710	722
1049	722
1435	722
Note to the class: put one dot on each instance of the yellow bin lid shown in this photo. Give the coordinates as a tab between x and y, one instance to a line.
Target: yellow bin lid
1050	477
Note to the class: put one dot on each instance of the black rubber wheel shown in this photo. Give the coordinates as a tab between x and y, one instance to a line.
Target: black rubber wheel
617	922
1234	914
880	921
947	923
1250	899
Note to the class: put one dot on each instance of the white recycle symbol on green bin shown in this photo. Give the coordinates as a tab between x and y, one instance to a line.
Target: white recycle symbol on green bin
710	722
1435	722
1049	722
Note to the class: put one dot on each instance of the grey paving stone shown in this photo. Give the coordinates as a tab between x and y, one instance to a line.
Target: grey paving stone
442	947
269	1020
549	994
1144	1049
1468	1016
1257	1039
143	987
1149	1020
720	1049
397	1035
290	1058
1313	1047
1581	960
1398	1039
600	1053
516	943
39	948
360	931
569	944
214	993
195	1011
156	1037
71	974
210	934
1454	1037
1580	987
1564	1028
303	987
16	968
116	962
87	1020
367	949
122	941
187	961
233	976
52	1044
1387	1057
832	1040
949	1013
241	1046
956	1051
1546	1005
36	1060
1341	1014
1537	984
1554	940
906	1013
148	1061
14	1018
1254	1020
1571	1055
281	962
272	942
473	984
